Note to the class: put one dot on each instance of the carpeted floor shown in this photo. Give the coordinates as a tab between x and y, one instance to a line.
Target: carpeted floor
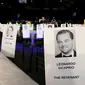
31	62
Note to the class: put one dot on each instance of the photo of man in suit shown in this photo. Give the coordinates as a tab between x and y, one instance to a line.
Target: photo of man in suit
65	40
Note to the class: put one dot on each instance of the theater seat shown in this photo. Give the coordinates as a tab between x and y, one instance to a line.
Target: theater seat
39	55
27	54
38	42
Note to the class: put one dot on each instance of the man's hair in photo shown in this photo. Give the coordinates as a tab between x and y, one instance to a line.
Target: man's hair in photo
63	32
49	26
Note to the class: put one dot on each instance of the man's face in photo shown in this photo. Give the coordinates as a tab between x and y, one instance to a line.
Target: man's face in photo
65	43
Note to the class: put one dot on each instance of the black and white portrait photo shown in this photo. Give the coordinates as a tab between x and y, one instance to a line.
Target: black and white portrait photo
65	44
10	31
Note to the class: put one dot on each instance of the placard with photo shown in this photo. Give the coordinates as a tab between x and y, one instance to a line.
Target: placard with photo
9	40
64	50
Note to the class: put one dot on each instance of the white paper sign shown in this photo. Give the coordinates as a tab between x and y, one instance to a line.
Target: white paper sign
64	56
39	31
77	25
26	31
9	40
30	26
68	25
63	25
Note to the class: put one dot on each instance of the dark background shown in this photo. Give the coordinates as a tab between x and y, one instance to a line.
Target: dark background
61	9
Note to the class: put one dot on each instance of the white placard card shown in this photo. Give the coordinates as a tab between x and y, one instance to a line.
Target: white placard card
64	56
9	40
26	31
77	25
30	26
69	25
63	25
39	31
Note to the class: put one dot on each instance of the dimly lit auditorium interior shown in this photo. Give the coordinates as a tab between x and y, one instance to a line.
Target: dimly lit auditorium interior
24	43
